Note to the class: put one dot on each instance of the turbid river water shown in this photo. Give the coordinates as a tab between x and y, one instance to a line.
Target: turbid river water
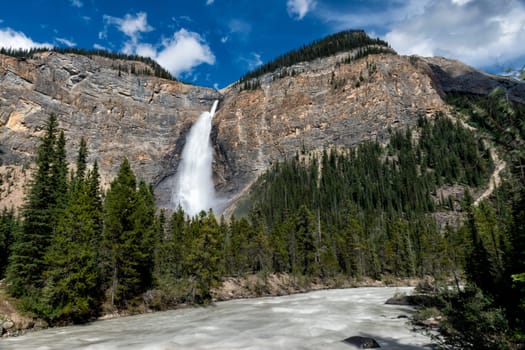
315	320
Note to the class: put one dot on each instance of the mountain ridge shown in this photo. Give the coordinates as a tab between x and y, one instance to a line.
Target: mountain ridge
326	102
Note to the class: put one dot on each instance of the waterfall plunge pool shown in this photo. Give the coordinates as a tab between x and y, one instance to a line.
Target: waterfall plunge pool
314	320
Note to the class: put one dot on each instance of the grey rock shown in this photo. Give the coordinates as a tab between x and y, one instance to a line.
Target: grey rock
362	342
7	325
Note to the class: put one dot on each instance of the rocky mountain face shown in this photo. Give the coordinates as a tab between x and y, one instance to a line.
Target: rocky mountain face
323	103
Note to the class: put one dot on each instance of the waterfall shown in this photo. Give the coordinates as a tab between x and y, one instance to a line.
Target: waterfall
194	190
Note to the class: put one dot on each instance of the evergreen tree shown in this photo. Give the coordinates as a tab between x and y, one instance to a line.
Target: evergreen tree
71	291
26	263
72	277
204	257
9	229
120	246
81	160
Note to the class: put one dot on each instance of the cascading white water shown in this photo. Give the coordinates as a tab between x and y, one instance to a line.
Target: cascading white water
194	189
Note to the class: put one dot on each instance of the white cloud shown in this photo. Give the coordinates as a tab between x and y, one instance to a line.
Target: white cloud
461	2
299	8
481	33
131	25
224	39
178	54
100	47
76	3
18	40
253	61
184	51
66	42
209	2
393	11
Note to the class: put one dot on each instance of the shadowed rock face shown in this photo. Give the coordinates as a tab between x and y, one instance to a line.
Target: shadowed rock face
325	103
454	76
362	342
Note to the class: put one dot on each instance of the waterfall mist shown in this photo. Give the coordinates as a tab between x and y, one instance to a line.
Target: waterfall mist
194	190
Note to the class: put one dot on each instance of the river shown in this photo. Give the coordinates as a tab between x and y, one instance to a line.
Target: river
315	320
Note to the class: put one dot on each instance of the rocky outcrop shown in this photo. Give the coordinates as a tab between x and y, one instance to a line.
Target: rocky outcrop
120	114
454	76
324	103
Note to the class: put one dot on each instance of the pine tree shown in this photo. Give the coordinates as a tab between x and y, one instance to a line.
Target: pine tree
81	160
204	257
26	263
71	288
71	291
128	237
9	229
119	266
143	235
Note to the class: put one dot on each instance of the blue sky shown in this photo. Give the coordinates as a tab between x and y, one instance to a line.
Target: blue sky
214	42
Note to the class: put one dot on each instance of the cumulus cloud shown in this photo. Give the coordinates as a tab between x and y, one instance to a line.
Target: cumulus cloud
179	53
481	33
66	42
184	51
299	8
209	2
10	38
131	25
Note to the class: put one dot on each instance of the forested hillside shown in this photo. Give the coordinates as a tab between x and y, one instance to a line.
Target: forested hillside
489	312
343	41
75	252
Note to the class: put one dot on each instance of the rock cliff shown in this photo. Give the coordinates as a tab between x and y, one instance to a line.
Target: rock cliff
323	103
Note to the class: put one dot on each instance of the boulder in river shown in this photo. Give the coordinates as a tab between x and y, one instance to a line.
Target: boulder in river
362	342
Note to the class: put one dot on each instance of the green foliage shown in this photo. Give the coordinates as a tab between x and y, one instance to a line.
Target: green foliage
364	212
204	256
473	322
9	229
127	237
490	315
45	200
71	291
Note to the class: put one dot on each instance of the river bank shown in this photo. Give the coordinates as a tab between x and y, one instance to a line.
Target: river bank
16	323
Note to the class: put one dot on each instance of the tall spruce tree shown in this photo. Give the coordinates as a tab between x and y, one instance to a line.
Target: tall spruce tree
71	290
127	244
43	201
9	229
